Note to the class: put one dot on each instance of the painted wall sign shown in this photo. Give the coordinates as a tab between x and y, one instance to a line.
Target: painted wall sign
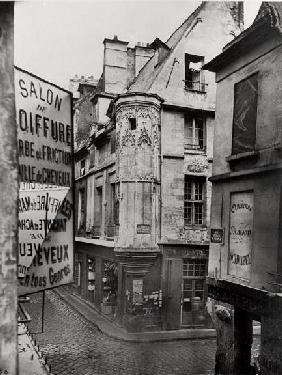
245	115
43	113
241	234
45	203
217	235
143	229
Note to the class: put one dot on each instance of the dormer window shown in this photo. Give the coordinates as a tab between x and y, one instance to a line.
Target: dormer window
194	75
132	123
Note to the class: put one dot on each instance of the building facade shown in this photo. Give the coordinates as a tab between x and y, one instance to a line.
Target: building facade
142	190
245	253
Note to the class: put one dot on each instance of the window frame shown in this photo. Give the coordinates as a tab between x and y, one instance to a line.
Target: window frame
132	121
190	219
193	145
190	84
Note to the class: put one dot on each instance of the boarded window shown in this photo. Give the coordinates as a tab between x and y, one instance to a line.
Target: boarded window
245	115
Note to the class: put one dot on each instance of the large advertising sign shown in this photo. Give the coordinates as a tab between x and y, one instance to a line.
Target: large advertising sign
45	204
241	234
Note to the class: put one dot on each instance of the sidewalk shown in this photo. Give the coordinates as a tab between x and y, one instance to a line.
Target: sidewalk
31	361
114	330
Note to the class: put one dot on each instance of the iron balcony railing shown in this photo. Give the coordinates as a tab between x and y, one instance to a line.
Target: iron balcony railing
196	86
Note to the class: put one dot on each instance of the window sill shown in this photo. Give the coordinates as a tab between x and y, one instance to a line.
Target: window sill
195	91
196	226
251	155
196	151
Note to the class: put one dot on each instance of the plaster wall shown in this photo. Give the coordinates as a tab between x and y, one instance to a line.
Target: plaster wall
203	32
265	245
268	64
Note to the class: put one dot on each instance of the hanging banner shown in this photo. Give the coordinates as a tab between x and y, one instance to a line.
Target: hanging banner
241	234
45	205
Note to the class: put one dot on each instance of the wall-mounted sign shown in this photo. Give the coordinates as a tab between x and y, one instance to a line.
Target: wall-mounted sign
137	290
217	235
143	229
45	205
241	234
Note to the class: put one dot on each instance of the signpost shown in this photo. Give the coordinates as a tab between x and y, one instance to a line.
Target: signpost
45	145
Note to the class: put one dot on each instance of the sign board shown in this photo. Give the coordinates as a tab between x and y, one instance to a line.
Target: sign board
217	235
137	289
241	234
143	229
45	205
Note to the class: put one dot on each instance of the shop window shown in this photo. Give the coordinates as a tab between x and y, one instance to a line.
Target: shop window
245	115
194	292
132	123
110	288
77	271
194	75
91	287
193	201
194	131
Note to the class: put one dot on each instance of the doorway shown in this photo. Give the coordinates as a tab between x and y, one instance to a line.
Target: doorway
193	297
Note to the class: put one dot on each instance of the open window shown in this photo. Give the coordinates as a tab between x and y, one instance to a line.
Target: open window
132	123
194	132
194	75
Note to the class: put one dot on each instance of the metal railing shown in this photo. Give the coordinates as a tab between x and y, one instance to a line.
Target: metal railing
196	86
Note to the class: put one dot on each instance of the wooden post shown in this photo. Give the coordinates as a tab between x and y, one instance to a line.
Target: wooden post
8	195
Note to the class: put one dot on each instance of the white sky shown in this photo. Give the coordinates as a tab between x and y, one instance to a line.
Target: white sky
58	39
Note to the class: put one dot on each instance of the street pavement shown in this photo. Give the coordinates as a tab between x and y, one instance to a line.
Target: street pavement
73	345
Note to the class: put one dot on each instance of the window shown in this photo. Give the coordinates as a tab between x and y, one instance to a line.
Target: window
113	142
194	75
81	209
132	123
92	156
193	201
193	291
195	267
245	115
82	167
194	132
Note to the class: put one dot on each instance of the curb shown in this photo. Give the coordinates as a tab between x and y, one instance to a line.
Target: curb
189	334
43	359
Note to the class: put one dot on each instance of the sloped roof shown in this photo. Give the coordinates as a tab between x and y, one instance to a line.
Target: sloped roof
271	10
269	17
151	69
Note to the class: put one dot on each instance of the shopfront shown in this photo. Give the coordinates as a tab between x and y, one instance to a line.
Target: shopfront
194	292
184	287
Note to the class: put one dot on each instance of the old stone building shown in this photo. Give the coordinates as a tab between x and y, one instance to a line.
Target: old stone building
142	190
245	260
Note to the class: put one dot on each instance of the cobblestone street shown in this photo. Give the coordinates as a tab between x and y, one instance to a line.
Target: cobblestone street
74	346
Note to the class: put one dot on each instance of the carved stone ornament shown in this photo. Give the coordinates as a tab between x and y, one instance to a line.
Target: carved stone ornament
144	138
196	166
128	139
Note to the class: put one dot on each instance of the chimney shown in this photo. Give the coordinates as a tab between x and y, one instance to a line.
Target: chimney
115	65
